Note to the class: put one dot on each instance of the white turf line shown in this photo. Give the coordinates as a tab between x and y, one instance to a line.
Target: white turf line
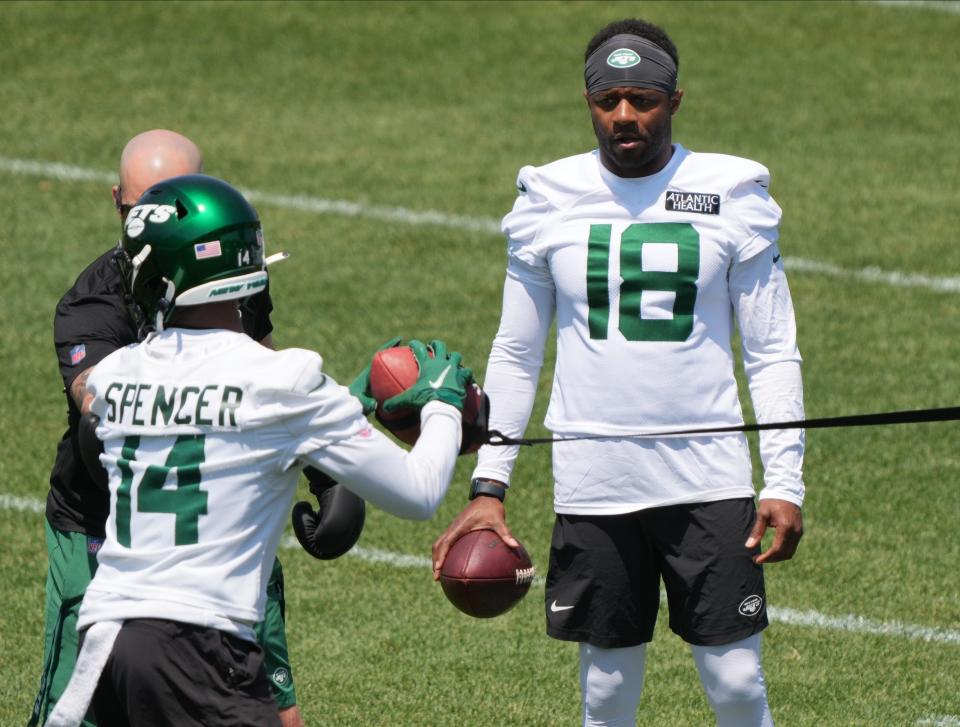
487	225
944	6
790	616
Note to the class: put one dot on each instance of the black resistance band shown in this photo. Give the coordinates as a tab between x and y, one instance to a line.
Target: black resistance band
915	416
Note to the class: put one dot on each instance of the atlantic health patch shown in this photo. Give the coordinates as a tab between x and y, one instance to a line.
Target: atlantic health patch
699	202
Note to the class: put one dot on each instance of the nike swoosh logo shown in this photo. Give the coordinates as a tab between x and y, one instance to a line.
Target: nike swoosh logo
557	609
438	382
775	258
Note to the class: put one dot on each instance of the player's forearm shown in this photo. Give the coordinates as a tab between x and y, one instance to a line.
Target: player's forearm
777	394
512	390
513	369
764	310
78	391
406	484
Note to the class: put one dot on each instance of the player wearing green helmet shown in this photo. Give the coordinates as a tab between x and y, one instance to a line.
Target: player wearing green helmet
205	432
94	318
192	240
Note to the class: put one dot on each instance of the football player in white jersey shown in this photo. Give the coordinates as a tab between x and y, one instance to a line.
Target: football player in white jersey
205	433
92	320
645	253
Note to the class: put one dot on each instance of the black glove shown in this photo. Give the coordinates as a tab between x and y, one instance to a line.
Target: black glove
336	526
91	448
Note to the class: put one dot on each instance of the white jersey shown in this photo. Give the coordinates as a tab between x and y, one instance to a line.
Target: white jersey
645	277
205	433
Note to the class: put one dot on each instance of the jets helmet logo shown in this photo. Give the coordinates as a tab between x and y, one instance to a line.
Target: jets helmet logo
143	213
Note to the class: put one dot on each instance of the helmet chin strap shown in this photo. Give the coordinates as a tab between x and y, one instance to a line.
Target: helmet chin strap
137	261
165	304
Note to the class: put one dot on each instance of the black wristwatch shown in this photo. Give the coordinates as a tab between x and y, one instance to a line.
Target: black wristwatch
480	487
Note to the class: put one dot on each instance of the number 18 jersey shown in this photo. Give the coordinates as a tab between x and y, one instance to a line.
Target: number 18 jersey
640	267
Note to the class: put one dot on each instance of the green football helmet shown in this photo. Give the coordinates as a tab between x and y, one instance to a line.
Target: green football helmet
191	240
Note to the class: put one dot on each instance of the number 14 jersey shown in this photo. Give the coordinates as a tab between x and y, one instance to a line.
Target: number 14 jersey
204	434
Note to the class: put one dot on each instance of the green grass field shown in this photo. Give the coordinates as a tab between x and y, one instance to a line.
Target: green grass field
404	108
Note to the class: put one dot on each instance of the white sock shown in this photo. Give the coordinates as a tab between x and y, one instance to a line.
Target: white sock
611	681
732	677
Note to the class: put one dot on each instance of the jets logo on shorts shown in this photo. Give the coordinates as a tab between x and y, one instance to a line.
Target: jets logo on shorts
623	58
751	606
280	676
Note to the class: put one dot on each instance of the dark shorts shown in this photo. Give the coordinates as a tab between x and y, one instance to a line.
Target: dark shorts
603	585
73	561
167	673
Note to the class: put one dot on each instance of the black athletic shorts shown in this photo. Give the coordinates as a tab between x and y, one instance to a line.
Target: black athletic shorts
171	674
603	585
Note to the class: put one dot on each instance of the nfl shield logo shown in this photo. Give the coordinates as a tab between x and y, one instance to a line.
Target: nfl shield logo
77	354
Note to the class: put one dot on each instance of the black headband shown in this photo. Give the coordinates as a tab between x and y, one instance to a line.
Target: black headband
629	60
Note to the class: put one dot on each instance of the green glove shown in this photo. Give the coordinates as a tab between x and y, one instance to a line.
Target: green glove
441	377
360	387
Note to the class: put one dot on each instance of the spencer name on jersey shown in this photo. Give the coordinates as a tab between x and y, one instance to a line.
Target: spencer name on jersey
202	432
158	405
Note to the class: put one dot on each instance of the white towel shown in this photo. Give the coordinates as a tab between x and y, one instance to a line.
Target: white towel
97	645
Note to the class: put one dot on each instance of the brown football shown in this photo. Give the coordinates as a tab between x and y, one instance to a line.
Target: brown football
483	577
393	371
